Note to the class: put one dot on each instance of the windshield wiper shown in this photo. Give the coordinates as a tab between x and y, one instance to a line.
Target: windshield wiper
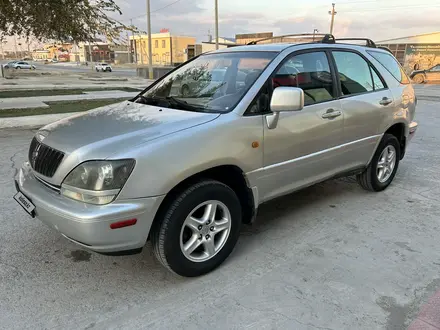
147	100
182	104
170	101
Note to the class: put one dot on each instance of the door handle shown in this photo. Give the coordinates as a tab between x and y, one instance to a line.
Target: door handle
330	114
385	101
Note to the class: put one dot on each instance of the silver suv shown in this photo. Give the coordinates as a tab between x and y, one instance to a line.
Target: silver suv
186	171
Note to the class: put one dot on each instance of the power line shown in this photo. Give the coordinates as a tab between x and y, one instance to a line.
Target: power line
166	6
153	11
389	8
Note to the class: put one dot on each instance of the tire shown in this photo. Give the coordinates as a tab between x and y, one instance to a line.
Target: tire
97	70
185	90
419	79
168	233
369	179
18	68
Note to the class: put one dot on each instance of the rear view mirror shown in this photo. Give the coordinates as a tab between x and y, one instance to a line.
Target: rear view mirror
287	99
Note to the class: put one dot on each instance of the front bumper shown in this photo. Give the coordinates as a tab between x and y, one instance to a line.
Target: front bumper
86	224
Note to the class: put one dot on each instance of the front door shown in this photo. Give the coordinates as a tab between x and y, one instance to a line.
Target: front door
302	148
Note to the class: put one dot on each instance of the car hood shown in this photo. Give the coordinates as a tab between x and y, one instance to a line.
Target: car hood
107	130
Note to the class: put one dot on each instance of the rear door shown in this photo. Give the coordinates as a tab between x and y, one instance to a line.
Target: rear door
365	99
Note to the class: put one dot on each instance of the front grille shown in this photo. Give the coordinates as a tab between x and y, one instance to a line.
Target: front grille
44	159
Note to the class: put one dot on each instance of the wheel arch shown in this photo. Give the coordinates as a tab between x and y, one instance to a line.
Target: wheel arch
399	130
231	175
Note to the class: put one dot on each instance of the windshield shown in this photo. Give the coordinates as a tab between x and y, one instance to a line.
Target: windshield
211	83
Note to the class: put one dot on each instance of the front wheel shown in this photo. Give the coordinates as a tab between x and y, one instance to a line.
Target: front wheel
198	230
18	68
383	167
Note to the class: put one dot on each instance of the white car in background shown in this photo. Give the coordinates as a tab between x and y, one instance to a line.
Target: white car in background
103	67
23	65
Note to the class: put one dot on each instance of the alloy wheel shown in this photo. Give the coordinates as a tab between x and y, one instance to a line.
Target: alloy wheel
385	165
205	231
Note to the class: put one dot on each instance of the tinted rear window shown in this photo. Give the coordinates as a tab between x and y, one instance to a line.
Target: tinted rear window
390	63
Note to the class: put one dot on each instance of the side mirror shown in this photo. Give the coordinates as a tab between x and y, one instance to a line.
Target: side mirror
287	99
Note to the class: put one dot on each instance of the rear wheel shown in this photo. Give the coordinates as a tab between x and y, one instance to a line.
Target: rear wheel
419	79
198	229
383	167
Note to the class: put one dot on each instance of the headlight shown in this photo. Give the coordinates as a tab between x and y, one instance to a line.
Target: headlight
97	182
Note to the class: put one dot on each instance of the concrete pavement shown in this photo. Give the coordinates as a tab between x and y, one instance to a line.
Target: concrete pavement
39	101
329	257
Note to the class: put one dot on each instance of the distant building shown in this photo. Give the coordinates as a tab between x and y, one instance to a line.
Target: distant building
96	51
417	52
208	46
167	49
122	54
41	55
243	39
58	51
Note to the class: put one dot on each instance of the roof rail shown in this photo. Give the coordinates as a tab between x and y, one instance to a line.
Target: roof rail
369	42
316	36
385	48
328	39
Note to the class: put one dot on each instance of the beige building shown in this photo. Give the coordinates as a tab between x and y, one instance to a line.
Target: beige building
41	55
417	52
167	49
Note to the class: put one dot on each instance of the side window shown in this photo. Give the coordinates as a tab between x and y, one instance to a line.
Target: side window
436	68
311	73
390	63
261	103
378	84
354	73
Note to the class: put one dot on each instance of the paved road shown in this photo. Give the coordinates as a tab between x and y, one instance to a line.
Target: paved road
124	72
329	257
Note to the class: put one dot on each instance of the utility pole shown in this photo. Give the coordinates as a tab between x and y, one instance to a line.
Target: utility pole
2	42
91	56
128	49
132	43
15	47
333	13
150	53
216	24
314	32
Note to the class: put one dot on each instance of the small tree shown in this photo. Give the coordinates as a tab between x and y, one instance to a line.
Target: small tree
64	20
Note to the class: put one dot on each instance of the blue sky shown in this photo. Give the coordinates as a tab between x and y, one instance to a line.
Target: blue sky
377	19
